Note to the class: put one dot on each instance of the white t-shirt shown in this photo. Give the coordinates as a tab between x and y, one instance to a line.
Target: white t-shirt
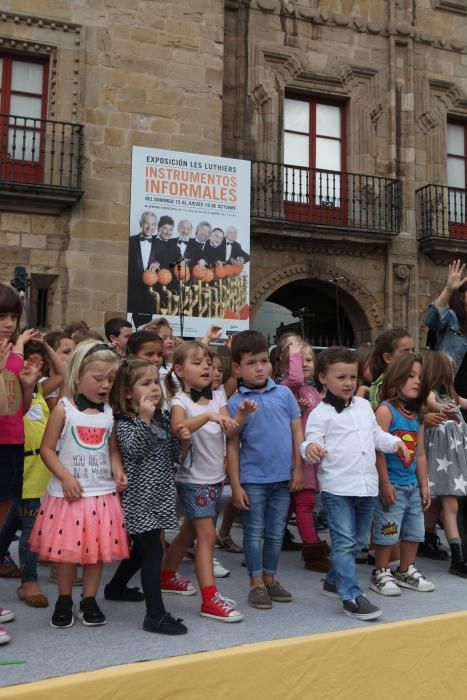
204	463
83	448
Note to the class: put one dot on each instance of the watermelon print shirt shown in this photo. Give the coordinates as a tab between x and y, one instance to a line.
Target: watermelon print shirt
83	448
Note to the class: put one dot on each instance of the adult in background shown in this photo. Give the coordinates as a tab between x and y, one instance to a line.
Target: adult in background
141	255
447	317
233	249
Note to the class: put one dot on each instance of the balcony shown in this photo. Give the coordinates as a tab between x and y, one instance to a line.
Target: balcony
324	204
442	220
41	163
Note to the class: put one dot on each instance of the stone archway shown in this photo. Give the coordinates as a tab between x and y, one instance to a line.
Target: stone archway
357	301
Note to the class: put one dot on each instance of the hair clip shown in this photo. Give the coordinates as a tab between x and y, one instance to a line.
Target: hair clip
98	347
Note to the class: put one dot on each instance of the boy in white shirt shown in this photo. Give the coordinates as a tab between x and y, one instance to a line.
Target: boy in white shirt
342	433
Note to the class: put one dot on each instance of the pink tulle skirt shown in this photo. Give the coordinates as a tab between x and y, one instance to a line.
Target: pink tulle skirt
86	531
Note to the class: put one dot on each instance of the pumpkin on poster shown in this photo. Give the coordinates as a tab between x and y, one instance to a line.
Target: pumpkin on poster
165	277
150	277
199	272
182	272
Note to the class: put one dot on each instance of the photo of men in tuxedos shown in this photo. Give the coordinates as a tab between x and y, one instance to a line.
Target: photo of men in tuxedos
177	246
233	249
196	246
141	255
214	250
165	228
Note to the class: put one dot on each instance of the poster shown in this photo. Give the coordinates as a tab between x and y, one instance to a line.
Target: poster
189	244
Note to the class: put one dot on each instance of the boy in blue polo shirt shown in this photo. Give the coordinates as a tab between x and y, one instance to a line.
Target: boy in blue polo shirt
264	464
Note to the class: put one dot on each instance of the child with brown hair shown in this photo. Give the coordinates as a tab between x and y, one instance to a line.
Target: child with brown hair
403	480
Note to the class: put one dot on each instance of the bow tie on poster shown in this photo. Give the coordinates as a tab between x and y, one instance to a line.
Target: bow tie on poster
228	243
144	238
82	403
182	242
197	395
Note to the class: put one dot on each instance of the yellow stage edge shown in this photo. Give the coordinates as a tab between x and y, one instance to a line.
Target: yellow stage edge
422	658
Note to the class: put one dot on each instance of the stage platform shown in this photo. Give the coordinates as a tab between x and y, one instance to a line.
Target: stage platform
312	627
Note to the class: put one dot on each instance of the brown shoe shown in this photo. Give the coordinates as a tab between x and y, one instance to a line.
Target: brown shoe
316	557
36	600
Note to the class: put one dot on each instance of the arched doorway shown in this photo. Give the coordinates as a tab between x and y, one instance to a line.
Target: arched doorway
318	307
323	312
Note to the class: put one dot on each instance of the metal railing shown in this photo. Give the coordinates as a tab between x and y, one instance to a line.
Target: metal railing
441	212
325	198
41	152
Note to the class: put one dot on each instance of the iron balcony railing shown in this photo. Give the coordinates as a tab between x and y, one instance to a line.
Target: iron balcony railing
41	152
442	212
325	198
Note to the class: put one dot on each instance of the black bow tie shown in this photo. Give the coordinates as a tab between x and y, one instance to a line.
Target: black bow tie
182	242
144	238
82	403
228	243
197	395
335	401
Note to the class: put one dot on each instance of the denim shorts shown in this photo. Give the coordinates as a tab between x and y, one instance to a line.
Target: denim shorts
199	500
402	520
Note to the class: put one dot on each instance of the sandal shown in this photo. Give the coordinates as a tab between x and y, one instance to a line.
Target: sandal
228	544
37	600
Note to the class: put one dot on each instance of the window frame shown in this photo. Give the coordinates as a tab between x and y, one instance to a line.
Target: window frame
457	229
325	214
19	169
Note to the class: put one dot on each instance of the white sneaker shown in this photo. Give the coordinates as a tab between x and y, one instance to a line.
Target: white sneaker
6	615
4	636
384	583
219	570
414	579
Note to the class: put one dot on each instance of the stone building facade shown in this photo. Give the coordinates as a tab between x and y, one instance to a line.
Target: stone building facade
223	78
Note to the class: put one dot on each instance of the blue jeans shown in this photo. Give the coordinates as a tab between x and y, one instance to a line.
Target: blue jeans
21	516
349	520
264	525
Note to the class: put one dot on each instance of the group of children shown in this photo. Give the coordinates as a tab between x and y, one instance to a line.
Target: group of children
122	438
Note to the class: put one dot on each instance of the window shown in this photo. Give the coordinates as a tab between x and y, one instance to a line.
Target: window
314	158
456	178
23	96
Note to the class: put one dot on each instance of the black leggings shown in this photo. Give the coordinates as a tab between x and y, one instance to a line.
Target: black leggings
147	553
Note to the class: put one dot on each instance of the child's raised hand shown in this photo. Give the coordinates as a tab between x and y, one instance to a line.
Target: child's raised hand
387	494
294	347
247	406
403	452
213	333
182	433
315	453
146	409
72	489
29	376
177	341
121	481
5	349
304	404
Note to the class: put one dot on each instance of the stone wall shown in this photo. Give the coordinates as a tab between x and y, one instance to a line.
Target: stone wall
134	72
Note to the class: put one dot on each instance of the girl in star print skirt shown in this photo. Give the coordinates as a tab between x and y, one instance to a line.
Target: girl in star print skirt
81	520
445	448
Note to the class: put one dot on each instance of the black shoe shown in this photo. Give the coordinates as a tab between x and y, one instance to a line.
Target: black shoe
431	549
90	614
458	564
329	589
63	613
130	595
165	625
289	544
361	608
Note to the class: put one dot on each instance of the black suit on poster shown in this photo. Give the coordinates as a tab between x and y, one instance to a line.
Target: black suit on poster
236	252
211	255
139	299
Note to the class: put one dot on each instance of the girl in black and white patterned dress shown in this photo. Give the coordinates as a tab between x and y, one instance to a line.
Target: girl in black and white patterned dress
150	453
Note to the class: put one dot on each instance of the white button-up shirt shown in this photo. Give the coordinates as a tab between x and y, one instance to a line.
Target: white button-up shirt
350	439
145	246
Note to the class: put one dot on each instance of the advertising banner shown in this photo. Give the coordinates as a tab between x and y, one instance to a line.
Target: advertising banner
189	245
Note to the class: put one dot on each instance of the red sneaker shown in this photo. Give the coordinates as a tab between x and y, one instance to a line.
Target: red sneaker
221	609
177	584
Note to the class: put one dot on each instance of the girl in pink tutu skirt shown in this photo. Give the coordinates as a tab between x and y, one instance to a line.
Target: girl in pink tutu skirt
81	520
